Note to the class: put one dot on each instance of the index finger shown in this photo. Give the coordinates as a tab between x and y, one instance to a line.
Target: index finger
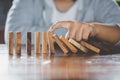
63	24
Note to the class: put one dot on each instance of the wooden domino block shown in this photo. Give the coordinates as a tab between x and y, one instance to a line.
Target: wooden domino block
66	42
11	43
44	42
37	43
18	43
79	46
28	44
51	42
60	43
91	47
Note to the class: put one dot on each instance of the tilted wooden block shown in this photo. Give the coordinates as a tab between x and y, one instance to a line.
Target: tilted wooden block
44	42
60	43
66	42
11	43
18	43
91	47
37	43
79	46
51	42
28	45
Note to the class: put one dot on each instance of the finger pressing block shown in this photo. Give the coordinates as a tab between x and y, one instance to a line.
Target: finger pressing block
95	49
44	42
51	43
37	43
11	43
72	48
60	43
75	43
18	43
28	43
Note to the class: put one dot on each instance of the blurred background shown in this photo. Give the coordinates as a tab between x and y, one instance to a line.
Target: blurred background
4	7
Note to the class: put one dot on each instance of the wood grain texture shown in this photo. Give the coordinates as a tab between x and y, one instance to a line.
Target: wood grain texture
89	46
70	46
11	43
18	43
58	67
37	43
60	43
79	46
44	42
51	43
28	44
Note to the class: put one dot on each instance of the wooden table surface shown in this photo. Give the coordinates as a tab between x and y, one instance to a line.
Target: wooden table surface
89	66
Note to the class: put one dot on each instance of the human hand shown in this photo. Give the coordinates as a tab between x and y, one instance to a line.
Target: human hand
76	30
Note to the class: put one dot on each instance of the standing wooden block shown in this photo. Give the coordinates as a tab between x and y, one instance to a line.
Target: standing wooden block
11	43
44	42
51	43
18	43
75	43
37	43
95	49
60	43
28	45
72	48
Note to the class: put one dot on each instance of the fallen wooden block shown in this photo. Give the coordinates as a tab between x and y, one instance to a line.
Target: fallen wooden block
18	43
79	46
85	44
51	42
60	43
29	45
11	43
66	42
37	43
44	42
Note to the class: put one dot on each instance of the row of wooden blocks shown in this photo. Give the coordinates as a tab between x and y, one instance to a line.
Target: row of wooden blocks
47	40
